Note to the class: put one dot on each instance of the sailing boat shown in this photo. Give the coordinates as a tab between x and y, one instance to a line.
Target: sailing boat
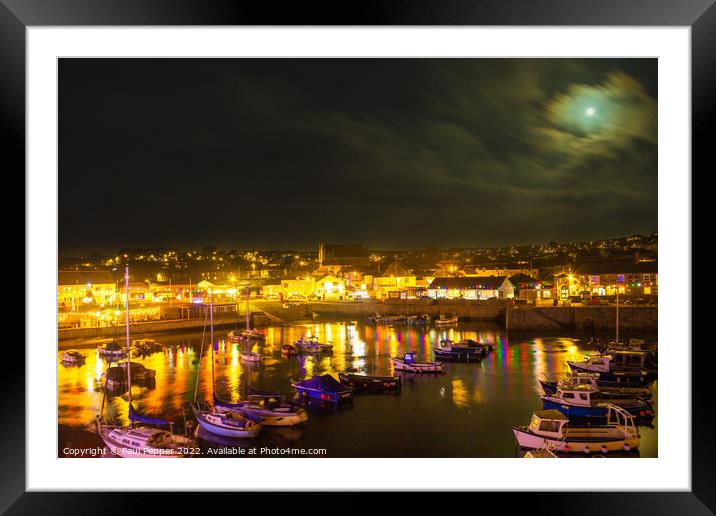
132	441
219	419
247	335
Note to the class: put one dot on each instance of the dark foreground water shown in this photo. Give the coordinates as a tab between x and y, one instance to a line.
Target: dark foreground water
467	412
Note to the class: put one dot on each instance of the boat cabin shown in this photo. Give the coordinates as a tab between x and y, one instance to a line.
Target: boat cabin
548	423
581	379
140	438
409	357
580	395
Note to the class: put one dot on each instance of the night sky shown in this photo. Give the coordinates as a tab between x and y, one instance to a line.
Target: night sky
390	153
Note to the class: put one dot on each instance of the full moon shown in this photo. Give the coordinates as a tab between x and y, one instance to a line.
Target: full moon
590	111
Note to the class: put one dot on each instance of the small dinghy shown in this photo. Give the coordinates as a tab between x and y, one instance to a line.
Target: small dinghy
551	429
452	352
365	383
72	357
323	388
408	363
289	350
112	350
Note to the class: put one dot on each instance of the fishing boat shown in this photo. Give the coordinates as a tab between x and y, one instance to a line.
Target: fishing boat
72	357
220	419
552	429
272	410
593	379
112	350
131	441
445	321
457	352
619	366
289	350
584	401
408	363
323	388
360	382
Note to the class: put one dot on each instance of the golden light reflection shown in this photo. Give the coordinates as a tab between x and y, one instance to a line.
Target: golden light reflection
460	395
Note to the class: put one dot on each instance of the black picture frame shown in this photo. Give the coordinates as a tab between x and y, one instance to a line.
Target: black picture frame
700	15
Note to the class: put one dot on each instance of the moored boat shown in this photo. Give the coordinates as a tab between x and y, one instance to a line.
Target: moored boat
619	366
138	371
144	442
250	356
593	379
457	352
323	388
73	357
273	410
584	401
365	383
289	350
226	422
553	430
418	320
311	345
408	363
445	321
112	350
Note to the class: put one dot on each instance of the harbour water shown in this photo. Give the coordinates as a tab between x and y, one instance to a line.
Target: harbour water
467	412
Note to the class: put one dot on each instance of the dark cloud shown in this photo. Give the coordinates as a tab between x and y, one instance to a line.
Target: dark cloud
394	153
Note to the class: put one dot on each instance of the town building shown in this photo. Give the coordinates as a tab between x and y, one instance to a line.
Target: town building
78	289
330	288
489	287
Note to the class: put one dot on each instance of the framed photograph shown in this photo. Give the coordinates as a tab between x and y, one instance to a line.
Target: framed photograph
404	251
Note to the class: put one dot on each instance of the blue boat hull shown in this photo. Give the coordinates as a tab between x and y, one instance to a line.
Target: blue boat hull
237	433
593	412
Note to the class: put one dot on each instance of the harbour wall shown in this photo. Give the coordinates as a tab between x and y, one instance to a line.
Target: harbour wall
514	317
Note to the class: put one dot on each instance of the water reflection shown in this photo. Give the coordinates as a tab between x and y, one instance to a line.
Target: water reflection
433	416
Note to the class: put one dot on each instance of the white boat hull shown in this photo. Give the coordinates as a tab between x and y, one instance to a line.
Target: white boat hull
532	441
418	367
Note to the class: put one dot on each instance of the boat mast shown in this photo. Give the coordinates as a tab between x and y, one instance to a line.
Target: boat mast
126	317
247	309
617	322
211	333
